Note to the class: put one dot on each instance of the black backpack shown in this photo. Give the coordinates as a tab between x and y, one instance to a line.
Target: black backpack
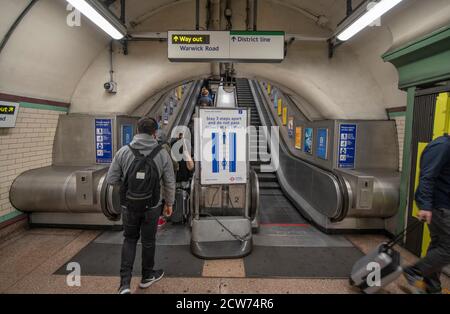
141	186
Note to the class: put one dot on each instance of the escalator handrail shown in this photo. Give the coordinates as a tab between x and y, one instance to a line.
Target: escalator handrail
188	106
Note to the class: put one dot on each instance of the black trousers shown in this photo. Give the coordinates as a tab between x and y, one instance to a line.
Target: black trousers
438	255
138	224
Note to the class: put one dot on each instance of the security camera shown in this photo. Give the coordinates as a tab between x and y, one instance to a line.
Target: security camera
110	87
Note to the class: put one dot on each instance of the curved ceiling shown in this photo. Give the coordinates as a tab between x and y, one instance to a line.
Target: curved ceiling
47	59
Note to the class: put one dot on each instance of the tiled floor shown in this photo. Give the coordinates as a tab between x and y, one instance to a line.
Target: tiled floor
28	260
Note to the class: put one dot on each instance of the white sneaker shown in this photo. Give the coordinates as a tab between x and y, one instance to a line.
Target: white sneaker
156	276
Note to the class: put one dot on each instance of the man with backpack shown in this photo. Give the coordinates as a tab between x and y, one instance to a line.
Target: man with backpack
145	173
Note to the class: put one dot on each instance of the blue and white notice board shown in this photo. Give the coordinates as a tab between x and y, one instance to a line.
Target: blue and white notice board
127	134
103	141
322	143
222	146
347	145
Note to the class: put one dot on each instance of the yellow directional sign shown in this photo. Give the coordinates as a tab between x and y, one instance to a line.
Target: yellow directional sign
190	39
7	109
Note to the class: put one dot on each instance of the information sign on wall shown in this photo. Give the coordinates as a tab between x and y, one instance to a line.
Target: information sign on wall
347	145
103	141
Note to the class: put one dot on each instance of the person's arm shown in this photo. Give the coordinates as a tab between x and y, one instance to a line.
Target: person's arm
114	176
187	157
433	160
168	182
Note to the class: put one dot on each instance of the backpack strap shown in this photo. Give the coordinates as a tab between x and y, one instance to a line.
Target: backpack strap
136	153
155	152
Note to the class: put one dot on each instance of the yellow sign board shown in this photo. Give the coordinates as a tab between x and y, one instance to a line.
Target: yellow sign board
285	115
183	39
442	116
298	137
280	107
7	109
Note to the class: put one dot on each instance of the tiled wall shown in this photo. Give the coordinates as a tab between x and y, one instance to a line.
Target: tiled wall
27	146
400	122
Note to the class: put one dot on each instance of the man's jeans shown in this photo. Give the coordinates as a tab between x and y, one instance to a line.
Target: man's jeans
438	255
138	223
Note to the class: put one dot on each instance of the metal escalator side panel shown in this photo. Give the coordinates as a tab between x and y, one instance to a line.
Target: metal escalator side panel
346	197
111	198
307	194
254	195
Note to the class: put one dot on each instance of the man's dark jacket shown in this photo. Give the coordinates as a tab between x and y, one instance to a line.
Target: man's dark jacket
434	185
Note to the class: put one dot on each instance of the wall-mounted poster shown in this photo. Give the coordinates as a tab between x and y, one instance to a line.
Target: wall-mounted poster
309	140
127	134
285	115
298	137
291	127
103	141
347	145
280	107
275	101
322	143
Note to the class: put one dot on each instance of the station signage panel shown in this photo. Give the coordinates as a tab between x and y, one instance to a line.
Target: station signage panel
226	46
347	145
8	114
257	46
222	146
103	141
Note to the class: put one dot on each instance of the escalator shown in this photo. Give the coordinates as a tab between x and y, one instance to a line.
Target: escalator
277	208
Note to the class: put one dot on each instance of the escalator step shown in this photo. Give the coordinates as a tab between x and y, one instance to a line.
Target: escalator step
269	185
267	177
271	192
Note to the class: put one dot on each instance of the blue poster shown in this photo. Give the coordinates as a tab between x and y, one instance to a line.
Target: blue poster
322	144
233	152
347	145
103	141
215	152
308	140
127	134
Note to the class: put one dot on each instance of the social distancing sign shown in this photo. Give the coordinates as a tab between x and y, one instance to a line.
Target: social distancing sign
222	143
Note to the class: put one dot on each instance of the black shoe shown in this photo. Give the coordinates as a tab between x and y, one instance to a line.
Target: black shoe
416	285
154	277
124	290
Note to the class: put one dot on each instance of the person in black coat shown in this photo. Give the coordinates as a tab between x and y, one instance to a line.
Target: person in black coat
433	199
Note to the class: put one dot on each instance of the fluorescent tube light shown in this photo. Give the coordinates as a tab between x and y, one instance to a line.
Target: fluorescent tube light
367	18
100	16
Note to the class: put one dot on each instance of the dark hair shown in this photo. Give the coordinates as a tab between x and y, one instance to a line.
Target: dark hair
147	125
